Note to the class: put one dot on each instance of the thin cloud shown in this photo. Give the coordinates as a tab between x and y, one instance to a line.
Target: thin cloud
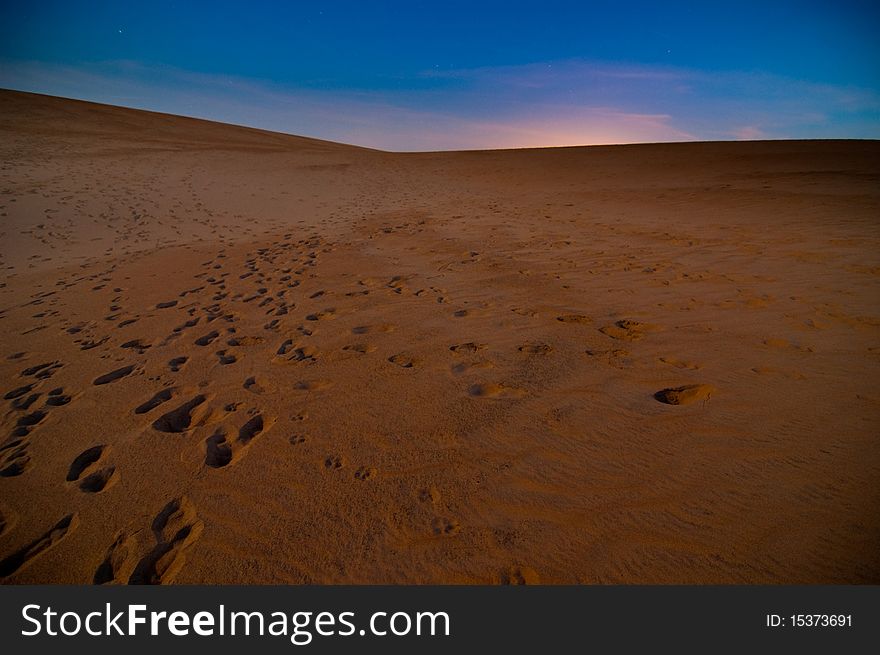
748	133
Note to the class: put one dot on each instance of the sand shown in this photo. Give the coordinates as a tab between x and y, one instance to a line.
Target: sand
232	356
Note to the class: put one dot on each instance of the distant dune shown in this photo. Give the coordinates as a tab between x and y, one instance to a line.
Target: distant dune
235	356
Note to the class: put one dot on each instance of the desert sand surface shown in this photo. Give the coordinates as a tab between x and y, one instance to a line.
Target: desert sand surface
233	356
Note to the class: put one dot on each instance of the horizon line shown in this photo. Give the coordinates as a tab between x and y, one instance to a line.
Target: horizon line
416	152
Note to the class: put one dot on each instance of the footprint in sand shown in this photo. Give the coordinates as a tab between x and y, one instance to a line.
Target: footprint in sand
245	341
579	319
368	329
312	385
85	460
207	339
445	527
296	439
536	348
291	352
175	528
7	520
30	420
136	344
334	462
365	473
685	394
783	344
190	323
627	330
18	392
772	370
177	363
89	344
57	398
397	283
520	575
24	403
221	452
362	348
468	348
258	385
158	398
225	358
14	457
403	360
183	417
22	558
98	479
42	371
616	357
463	368
119	562
113	376
492	390
325	315
680	363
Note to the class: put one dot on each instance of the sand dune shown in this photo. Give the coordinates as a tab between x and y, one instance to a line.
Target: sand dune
233	356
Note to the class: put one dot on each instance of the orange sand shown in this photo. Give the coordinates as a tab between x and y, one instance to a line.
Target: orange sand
232	356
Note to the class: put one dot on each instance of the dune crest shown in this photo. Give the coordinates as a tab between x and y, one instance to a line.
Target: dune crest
233	356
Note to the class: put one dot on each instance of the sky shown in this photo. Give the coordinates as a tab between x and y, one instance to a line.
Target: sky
456	75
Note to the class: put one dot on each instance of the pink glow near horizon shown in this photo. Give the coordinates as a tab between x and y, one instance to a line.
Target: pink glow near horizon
575	103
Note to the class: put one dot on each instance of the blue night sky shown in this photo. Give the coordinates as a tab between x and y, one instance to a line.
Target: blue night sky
451	75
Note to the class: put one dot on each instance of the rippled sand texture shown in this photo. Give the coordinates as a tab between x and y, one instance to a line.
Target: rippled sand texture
232	356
